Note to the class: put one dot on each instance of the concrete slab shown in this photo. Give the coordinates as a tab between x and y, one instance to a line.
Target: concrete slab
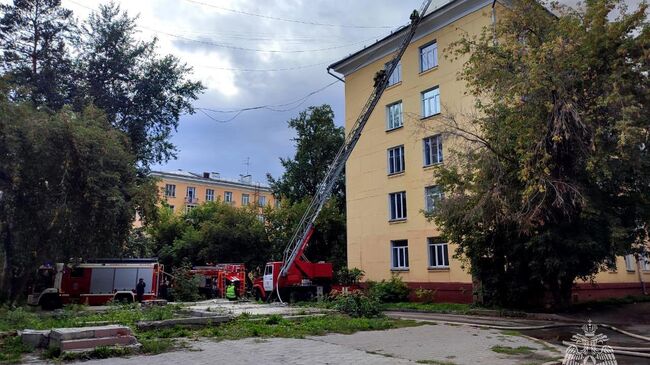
190	321
35	338
76	333
221	306
91	343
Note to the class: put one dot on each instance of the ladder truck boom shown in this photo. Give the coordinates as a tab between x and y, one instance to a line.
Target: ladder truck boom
300	239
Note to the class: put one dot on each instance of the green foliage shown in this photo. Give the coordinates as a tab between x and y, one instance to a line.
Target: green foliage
68	189
425	295
34	38
357	304
347	276
455	308
391	291
212	232
317	142
11	350
185	284
551	181
156	346
521	350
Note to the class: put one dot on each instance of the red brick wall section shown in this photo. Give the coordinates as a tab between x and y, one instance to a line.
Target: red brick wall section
443	292
586	291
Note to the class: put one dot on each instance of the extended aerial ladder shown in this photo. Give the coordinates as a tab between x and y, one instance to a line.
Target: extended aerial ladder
300	239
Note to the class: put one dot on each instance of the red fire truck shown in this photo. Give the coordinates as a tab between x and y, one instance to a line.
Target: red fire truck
213	279
94	282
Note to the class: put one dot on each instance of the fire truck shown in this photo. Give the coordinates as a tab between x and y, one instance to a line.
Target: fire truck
94	282
295	276
213	279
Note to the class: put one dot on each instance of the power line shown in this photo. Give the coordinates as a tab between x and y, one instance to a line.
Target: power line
274	108
264	69
228	46
289	20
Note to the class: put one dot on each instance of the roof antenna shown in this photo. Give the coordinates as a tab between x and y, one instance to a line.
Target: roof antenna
248	164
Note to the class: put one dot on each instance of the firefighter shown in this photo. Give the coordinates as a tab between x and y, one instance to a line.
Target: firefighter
414	16
379	77
139	290
231	293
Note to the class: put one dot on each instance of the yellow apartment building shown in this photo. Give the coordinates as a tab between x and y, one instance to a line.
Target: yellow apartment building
183	190
389	177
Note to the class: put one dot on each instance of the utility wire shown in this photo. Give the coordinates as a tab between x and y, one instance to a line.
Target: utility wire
264	69
228	46
289	20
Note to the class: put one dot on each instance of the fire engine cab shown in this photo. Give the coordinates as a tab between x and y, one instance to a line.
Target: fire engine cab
94	282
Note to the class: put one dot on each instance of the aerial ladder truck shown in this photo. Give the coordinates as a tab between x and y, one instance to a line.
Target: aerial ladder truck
295	277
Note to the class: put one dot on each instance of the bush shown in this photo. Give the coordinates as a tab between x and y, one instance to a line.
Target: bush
425	295
391	291
357	304
347	276
186	285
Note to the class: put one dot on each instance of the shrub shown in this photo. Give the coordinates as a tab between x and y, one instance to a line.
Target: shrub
425	295
347	276
186	285
357	304
391	291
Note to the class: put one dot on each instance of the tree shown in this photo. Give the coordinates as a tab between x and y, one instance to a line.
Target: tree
317	142
553	178
214	232
34	39
143	94
67	182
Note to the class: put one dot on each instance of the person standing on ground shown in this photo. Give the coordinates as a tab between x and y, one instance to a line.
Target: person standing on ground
230	291
139	290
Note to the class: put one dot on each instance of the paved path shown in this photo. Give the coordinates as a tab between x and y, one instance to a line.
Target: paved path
453	344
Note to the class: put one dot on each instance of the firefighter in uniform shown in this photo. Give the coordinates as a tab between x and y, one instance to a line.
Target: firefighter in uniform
231	294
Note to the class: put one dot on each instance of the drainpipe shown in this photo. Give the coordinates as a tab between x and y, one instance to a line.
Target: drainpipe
494	22
330	72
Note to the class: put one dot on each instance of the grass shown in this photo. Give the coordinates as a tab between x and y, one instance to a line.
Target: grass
12	349
436	362
511	333
521	350
429	307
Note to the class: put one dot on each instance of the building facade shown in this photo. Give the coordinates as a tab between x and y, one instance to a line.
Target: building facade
389	176
183	190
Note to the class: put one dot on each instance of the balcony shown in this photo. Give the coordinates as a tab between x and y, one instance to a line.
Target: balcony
191	200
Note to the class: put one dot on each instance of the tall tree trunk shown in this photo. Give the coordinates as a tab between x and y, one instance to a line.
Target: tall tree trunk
8	253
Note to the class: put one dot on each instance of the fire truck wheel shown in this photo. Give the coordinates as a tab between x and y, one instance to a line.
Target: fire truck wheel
123	298
51	302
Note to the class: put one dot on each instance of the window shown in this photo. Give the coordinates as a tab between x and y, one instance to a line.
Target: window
396	76
209	195
646	262
245	199
432	150
260	218
261	201
428	56
396	160
171	207
227	196
189	208
431	102
432	194
399	255
394	116
277	203
170	190
397	205
190	197
438	253
629	262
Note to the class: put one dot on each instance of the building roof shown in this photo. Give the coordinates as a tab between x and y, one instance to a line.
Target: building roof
434	20
214	178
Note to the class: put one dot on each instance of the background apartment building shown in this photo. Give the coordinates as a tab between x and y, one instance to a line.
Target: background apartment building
389	176
183	190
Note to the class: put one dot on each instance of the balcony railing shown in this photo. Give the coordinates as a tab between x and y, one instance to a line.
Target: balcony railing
191	200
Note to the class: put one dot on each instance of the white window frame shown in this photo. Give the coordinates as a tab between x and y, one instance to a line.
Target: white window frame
261	201
188	208
646	262
394	116
437	250
430	102
428	56
245	199
432	147
398	200
227	196
396	161
399	255
171	207
396	76
432	194
191	197
170	190
209	195
629	263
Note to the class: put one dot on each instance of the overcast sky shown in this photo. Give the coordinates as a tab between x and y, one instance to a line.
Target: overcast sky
228	43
